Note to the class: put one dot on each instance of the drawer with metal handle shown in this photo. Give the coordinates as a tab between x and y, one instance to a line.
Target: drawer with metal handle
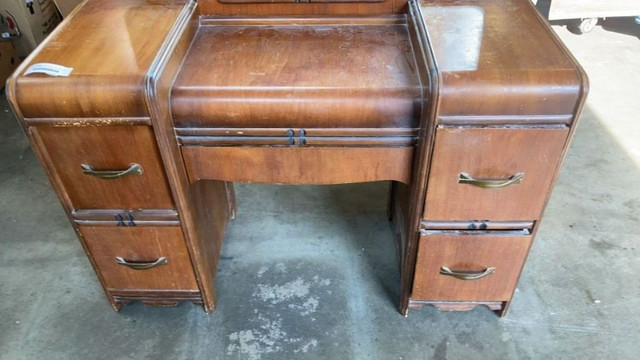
496	174
469	265
115	167
140	258
132	169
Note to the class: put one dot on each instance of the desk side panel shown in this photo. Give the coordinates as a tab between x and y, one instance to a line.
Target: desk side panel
203	207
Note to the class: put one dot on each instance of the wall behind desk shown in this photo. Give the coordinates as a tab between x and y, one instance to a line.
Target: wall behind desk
66	6
35	21
8	61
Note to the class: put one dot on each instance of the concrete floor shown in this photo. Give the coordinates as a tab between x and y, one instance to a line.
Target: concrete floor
311	273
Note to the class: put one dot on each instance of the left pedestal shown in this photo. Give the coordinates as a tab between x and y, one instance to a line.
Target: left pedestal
112	182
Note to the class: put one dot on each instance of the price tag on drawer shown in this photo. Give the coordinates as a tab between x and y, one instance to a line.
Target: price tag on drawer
49	69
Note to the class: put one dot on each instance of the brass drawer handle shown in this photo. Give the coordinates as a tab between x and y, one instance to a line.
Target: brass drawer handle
141	265
467	275
464	178
134	169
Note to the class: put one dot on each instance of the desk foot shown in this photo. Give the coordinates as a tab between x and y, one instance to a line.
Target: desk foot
499	307
156	298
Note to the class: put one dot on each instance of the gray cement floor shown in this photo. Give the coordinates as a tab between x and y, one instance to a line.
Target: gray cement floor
310	272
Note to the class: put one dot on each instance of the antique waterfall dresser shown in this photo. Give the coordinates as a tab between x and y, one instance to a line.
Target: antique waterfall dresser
144	113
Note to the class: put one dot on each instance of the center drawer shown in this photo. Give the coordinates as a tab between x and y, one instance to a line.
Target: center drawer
469	267
298	165
497	174
106	167
140	258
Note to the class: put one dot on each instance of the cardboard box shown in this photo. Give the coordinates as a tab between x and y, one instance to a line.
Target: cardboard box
8	61
66	6
35	20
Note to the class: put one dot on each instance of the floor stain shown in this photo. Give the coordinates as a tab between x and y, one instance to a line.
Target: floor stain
267	333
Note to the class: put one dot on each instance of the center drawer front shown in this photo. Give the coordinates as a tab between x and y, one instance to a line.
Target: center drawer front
471	254
139	246
495	155
106	148
298	165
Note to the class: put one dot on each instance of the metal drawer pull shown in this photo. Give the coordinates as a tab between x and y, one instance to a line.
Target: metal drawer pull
464	178
467	275
141	265
134	169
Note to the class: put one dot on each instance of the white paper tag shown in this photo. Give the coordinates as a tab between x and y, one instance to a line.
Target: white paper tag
49	69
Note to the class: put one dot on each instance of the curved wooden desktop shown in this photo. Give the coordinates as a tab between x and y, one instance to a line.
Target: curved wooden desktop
467	107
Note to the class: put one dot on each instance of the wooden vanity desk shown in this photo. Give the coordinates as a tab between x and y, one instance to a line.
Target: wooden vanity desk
467	108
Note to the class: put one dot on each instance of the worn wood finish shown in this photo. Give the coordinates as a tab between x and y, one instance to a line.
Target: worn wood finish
310	132
507	120
471	252
113	148
120	39
429	80
506	69
300	140
141	244
126	217
306	76
488	153
77	122
298	165
295	1
358	137
216	7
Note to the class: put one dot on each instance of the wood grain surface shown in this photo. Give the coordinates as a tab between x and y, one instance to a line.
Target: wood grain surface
471	253
298	165
311	8
497	57
107	148
490	153
141	244
303	76
110	46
